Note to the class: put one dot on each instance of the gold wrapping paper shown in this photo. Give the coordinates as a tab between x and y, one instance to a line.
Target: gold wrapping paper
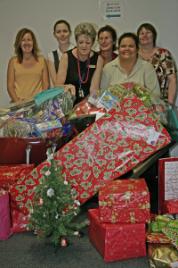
162	256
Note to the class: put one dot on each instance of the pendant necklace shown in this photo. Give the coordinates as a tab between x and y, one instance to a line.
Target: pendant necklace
82	79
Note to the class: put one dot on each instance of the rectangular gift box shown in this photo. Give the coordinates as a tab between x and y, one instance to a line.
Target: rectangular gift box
116	241
125	201
168	185
111	146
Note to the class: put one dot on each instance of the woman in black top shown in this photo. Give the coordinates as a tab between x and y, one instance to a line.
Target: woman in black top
78	65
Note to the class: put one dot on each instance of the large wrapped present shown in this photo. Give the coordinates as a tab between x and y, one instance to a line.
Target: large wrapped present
111	147
9	174
125	201
168	185
107	149
5	221
116	241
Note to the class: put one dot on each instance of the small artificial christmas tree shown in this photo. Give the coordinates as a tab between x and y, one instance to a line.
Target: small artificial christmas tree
54	206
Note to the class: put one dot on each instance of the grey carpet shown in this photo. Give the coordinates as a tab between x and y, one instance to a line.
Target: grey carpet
25	250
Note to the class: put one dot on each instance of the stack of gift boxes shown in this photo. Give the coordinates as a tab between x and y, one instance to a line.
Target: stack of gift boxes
118	227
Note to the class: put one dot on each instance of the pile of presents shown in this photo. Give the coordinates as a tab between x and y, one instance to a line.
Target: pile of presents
127	132
122	227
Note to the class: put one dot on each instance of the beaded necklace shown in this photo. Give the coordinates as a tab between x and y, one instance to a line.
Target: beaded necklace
81	77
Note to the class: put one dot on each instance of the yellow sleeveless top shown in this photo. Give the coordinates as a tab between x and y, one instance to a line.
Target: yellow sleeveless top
28	81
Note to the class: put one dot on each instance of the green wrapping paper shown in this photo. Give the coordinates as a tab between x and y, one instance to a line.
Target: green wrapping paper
169	227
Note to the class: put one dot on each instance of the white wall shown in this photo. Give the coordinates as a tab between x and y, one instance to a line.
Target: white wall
40	15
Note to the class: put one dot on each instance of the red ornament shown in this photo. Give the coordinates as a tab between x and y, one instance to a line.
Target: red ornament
63	242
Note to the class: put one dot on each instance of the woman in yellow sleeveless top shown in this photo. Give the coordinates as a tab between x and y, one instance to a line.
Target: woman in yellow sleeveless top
27	72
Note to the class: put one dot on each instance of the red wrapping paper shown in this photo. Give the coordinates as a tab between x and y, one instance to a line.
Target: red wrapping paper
110	147
11	173
125	201
157	238
85	108
106	150
171	206
19	221
116	241
23	191
168	203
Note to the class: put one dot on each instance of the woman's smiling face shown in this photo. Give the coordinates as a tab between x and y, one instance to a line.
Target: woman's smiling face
127	48
27	43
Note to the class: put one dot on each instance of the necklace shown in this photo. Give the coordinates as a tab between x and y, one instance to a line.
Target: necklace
81	77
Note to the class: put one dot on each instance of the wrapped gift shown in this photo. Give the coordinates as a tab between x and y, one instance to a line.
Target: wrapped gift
111	146
107	149
22	191
11	173
116	241
157	238
5	221
168	226
20	221
125	201
171	206
168	185
162	256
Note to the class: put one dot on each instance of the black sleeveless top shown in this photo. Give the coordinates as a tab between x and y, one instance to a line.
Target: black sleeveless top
73	75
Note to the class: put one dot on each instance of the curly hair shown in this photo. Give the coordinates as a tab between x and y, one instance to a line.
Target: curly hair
18	40
85	28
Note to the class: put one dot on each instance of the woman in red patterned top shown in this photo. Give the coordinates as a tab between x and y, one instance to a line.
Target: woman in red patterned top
161	59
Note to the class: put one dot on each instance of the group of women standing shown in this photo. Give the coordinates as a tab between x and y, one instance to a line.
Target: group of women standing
83	71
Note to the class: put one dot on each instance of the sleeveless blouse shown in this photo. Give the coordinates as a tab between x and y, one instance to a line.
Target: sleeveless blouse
73	73
28	81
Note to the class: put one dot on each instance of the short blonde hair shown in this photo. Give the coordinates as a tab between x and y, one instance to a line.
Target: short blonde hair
85	28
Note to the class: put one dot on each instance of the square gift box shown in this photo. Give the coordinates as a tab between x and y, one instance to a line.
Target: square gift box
116	241
125	201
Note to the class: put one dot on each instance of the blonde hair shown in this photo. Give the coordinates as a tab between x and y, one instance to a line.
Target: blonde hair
85	28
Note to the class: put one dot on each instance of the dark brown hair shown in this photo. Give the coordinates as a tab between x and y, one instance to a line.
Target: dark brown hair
111	30
129	35
62	21
150	27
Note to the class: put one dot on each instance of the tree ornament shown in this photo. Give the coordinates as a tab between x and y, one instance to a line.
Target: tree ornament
63	242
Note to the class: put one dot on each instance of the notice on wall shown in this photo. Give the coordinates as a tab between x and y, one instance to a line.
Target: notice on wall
110	9
171	180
